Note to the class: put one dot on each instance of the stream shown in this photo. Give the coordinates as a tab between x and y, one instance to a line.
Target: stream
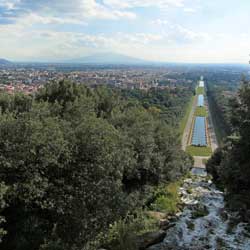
204	223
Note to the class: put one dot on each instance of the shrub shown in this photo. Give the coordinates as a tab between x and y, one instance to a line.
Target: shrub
167	199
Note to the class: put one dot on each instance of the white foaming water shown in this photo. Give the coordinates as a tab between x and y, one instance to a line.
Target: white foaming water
210	228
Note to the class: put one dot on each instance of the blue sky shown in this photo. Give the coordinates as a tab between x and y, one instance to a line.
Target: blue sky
159	30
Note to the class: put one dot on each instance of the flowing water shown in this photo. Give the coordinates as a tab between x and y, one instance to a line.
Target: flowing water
204	223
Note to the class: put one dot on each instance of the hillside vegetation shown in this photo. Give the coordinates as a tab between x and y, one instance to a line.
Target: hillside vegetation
219	97
229	165
75	160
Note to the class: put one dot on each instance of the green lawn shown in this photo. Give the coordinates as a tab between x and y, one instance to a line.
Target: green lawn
204	161
199	151
200	91
185	118
200	111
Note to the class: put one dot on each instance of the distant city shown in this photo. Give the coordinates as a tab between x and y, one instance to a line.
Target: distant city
29	77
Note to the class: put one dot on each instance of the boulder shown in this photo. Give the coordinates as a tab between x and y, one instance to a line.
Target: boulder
246	216
152	238
166	224
199	210
163	224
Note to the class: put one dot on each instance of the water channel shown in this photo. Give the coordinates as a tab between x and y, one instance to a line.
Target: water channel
204	223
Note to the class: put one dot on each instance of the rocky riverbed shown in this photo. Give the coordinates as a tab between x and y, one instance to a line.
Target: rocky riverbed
204	222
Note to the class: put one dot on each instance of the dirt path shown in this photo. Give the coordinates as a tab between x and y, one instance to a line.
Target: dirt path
199	161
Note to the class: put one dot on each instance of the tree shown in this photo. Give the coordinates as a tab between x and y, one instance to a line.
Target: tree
230	164
74	160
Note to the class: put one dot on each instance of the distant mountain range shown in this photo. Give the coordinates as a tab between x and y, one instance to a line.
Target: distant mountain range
4	61
102	58
108	58
114	59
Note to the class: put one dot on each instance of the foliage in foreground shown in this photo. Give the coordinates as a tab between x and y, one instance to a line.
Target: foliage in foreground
124	233
74	160
229	165
167	198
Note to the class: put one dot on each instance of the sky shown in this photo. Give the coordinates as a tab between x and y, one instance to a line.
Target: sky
197	31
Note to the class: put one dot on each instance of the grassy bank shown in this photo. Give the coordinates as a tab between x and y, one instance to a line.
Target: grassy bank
199	151
200	111
186	116
200	91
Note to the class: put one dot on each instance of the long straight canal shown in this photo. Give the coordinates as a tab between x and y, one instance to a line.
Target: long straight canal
204	222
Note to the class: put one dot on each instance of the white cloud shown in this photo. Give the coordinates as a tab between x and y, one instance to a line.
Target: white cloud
9	4
35	18
60	11
48	45
35	44
32	43
191	35
21	36
190	10
80	11
160	22
144	3
92	9
180	34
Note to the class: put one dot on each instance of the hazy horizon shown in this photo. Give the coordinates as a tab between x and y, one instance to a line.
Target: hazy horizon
181	31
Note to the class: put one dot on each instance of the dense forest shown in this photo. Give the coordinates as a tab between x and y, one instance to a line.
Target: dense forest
170	104
230	164
219	98
221	91
74	160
